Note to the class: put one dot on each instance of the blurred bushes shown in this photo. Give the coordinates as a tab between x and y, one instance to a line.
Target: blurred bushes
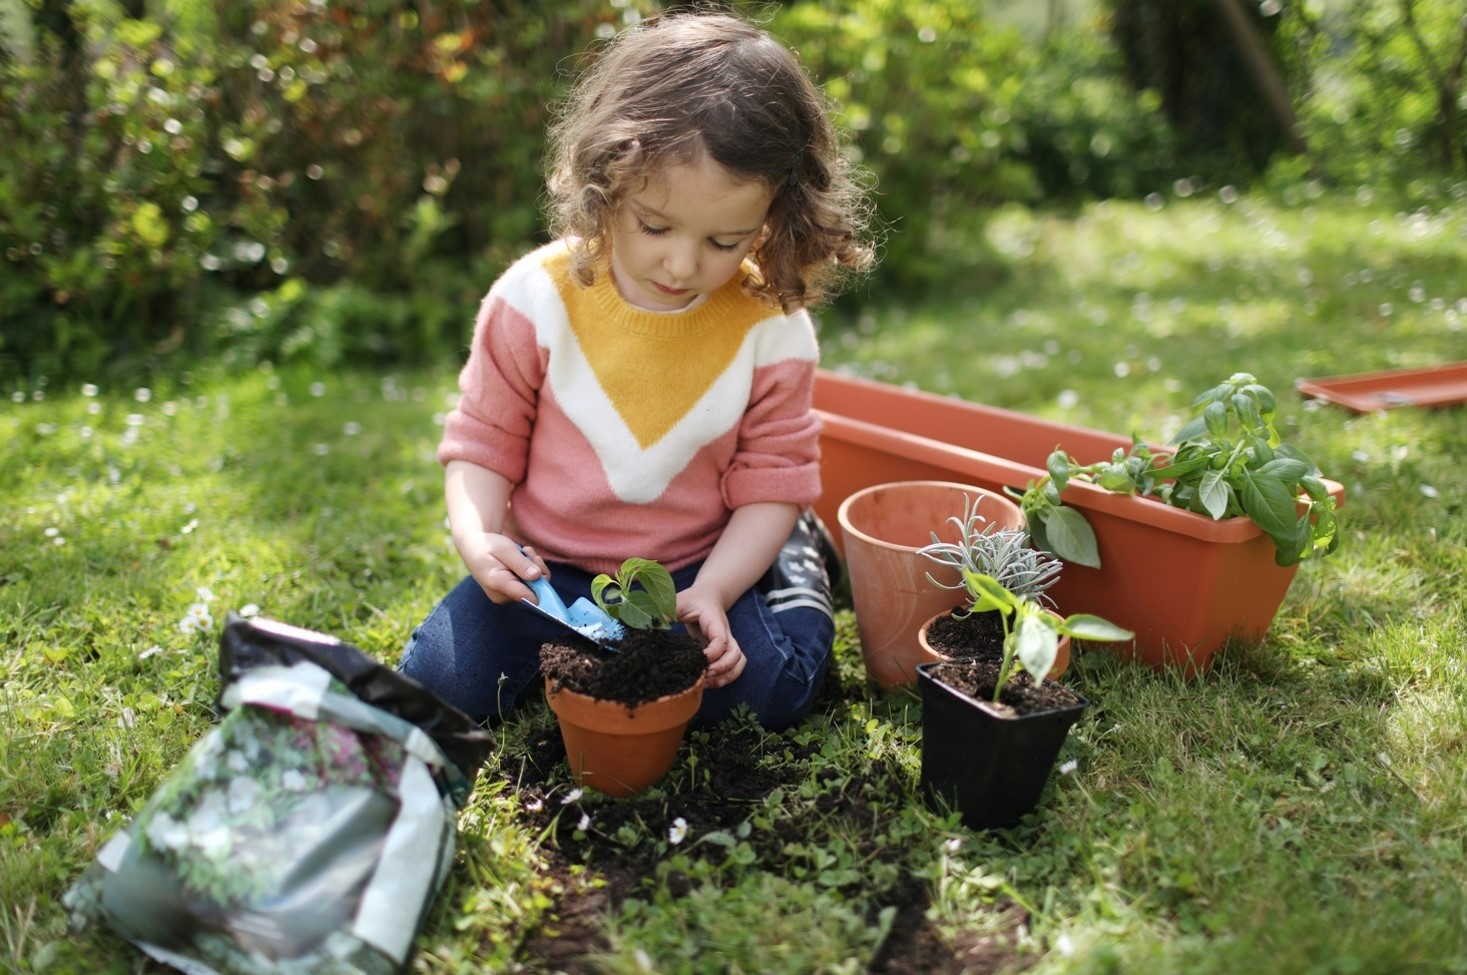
169	176
341	180
955	114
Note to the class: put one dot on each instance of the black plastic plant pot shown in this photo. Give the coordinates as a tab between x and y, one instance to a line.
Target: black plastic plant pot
992	769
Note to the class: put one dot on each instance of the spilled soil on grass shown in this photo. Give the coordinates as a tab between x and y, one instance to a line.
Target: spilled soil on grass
723	776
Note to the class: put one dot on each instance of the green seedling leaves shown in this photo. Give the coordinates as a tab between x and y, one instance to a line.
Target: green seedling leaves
652	606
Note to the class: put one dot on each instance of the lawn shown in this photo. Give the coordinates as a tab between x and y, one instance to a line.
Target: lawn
1300	808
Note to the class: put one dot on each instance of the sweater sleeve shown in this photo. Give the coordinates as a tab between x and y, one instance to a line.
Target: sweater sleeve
778	453
500	386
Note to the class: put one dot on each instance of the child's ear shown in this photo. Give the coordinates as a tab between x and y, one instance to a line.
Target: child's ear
760	238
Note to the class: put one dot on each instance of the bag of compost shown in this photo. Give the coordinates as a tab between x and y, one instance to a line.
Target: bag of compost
308	832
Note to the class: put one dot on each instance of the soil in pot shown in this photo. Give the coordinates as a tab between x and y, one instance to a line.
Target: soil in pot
976	636
976	678
646	665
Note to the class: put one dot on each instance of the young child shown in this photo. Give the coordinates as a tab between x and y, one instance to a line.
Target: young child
642	386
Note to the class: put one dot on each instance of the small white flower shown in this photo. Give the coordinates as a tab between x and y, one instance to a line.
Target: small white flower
953	844
351	428
585	822
205	594
89	390
534	806
186	529
248	610
571	797
143	395
197	618
293	781
152	651
1068	767
236	761
678	832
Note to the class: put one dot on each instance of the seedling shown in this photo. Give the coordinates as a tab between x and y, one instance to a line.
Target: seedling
642	595
1031	633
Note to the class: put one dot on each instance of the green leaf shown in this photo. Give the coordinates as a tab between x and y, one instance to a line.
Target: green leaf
1247	409
1058	466
1036	644
1269	503
1214	493
988	593
657	581
1286	469
1070	537
1085	626
1216	418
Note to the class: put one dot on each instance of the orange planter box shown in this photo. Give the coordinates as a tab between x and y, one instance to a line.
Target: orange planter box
1185	584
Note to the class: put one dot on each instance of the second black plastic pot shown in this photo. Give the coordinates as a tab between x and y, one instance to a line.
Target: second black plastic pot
990	768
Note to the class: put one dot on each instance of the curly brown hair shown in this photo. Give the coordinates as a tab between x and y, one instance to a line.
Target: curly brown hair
677	87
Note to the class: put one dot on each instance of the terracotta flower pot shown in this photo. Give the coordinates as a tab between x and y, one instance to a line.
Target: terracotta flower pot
619	750
1182	582
882	527
927	654
990	767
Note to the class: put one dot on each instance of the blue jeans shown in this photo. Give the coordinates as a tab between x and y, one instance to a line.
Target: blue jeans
484	658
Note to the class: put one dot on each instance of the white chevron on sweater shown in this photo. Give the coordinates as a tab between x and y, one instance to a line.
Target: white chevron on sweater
637	475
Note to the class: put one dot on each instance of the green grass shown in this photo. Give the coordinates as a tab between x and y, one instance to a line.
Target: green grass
1302	807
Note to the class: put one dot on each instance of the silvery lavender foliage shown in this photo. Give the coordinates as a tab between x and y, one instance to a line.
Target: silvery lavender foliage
1003	553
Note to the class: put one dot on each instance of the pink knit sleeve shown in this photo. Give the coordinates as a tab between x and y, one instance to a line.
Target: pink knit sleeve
778	454
500	386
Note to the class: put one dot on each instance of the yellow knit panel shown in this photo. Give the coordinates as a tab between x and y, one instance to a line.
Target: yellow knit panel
655	367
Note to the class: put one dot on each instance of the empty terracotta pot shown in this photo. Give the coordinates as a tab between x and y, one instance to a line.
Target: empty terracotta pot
882	528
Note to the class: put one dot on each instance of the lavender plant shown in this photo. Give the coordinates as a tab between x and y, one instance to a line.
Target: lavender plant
1005	554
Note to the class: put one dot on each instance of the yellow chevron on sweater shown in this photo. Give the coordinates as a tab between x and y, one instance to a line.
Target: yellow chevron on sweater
654	367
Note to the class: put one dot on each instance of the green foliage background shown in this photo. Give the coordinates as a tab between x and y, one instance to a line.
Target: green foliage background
333	182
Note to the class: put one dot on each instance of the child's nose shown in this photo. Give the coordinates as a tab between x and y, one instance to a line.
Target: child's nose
681	261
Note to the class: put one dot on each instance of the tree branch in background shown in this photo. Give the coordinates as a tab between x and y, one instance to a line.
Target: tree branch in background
1265	74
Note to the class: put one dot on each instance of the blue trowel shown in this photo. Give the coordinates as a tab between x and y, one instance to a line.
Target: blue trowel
582	616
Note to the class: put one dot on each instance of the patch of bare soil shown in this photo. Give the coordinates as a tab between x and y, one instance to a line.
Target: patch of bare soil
731	780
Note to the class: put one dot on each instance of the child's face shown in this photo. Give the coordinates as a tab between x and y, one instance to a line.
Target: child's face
685	234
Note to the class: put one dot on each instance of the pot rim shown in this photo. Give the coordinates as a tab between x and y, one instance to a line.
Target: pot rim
924	672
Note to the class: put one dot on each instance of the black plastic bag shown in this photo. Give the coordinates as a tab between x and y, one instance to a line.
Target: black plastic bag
308	832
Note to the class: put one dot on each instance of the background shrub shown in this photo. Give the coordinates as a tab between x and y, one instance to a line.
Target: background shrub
341	181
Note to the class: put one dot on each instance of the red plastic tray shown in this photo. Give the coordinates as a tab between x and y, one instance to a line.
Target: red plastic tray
1444	385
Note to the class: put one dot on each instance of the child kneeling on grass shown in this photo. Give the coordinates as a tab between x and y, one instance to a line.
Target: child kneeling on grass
643	385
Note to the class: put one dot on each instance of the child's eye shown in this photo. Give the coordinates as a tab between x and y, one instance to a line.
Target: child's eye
717	245
652	231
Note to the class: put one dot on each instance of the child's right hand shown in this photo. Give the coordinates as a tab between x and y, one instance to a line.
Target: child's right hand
501	567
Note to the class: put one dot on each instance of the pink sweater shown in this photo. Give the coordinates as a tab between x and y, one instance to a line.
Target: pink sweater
627	432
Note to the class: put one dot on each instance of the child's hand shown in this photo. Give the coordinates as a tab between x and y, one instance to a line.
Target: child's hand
706	619
500	566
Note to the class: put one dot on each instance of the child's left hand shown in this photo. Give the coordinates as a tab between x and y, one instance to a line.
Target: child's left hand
706	619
